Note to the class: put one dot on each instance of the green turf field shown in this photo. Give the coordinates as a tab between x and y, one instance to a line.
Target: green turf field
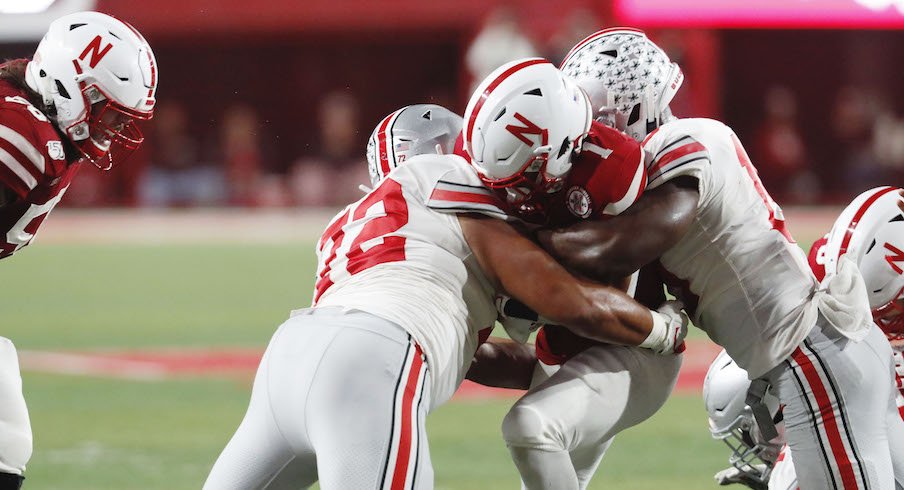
99	433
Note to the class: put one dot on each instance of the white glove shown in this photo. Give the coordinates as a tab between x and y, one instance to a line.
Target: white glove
518	320
732	475
669	329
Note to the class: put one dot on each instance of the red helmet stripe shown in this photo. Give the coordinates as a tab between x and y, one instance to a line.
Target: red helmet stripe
858	215
593	37
469	129
384	142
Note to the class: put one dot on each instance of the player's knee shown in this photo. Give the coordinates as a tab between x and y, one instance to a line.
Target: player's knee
524	426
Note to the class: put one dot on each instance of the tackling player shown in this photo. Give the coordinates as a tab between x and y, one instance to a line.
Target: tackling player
76	100
406	278
871	232
582	393
722	243
742	276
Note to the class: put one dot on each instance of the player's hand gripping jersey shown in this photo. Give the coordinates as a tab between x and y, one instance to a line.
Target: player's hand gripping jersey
738	270
399	253
33	167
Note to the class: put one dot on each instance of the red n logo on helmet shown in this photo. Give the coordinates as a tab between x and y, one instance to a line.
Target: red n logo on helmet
894	259
529	128
95	50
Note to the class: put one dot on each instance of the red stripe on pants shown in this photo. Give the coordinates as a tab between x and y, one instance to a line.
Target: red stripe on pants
829	420
403	456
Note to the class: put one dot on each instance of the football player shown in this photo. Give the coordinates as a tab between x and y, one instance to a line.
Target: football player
582	393
421	129
76	101
406	278
722	244
871	232
731	420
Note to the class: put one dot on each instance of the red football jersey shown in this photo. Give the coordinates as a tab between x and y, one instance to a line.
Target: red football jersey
606	178
33	165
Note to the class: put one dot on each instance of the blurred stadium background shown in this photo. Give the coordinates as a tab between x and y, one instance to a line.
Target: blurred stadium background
144	306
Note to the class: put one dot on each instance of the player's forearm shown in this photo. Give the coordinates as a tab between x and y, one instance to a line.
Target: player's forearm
592	249
605	314
623	244
503	363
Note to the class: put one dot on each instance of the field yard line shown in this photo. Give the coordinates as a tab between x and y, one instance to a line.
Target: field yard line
90	365
238	363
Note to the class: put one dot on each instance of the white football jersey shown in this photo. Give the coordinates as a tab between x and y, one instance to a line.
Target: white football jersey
399	253
737	262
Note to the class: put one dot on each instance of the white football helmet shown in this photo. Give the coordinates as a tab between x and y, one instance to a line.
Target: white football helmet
870	231
629	79
522	126
731	420
98	75
413	130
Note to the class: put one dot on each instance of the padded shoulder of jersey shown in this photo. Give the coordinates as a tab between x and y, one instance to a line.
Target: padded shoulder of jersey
449	184
680	148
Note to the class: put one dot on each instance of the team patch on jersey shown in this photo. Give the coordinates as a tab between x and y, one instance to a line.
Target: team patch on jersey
577	199
55	150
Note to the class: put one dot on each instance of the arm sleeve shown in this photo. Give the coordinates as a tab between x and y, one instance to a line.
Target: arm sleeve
22	162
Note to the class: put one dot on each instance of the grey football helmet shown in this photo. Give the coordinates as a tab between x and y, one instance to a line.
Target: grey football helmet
412	130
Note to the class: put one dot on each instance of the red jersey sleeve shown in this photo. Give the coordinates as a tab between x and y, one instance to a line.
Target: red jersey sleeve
816	258
31	153
609	175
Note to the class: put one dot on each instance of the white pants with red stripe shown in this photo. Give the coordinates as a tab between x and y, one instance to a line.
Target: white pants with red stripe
340	398
15	426
840	414
560	430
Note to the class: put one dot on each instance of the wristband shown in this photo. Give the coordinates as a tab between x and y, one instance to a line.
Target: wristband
658	334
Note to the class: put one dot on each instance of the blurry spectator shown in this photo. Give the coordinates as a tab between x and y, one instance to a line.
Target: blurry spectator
578	24
241	155
780	154
176	176
888	143
330	176
853	122
499	41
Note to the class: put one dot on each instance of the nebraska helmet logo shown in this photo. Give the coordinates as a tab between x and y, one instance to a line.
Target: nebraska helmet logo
528	128
897	256
97	53
577	199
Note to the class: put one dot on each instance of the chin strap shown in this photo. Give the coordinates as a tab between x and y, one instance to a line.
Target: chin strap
755	395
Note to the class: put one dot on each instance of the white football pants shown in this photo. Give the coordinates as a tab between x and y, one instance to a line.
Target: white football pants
15	427
339	397
560	429
841	421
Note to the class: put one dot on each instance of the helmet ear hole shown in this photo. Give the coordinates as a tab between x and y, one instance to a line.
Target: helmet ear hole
566	144
62	90
635	115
